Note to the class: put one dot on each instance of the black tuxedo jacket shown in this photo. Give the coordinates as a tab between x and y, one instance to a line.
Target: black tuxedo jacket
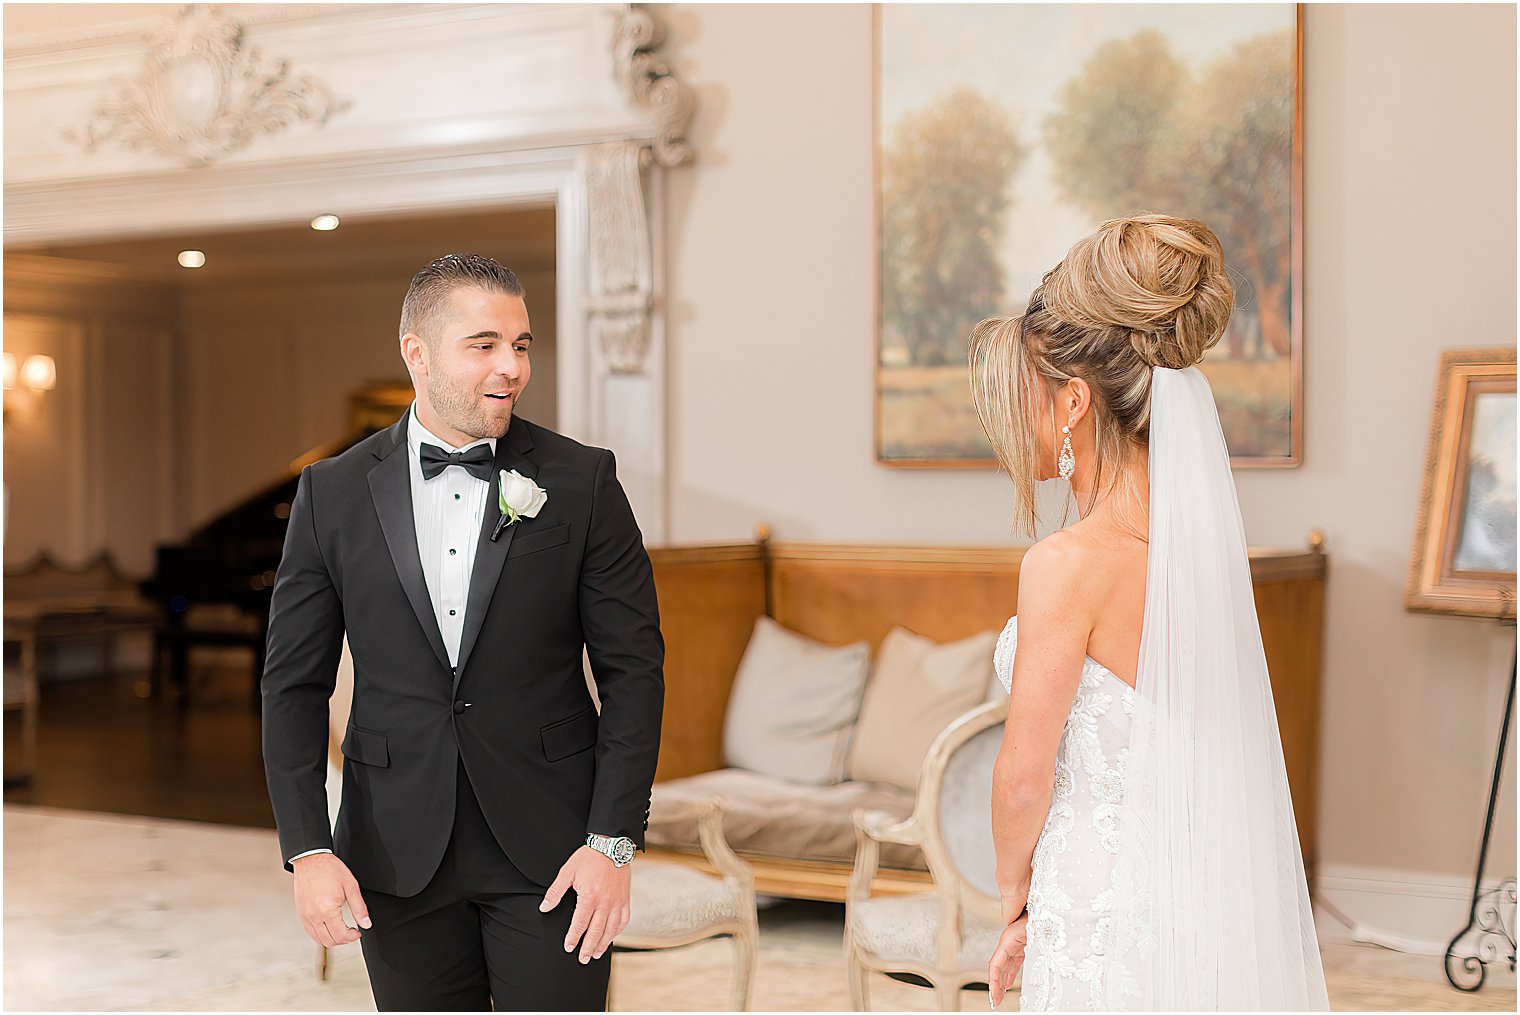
545	766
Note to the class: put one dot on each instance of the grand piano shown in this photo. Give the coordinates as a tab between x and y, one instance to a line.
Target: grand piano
214	587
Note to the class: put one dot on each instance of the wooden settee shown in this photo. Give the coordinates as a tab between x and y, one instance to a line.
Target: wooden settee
710	597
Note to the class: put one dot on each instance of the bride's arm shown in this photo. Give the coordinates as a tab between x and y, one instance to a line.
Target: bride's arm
1054	623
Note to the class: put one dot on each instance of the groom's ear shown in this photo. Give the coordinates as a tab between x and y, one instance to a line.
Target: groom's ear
414	353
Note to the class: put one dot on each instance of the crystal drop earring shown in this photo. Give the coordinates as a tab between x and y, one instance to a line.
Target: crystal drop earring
1067	463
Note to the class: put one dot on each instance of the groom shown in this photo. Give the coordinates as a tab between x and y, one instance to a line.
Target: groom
489	811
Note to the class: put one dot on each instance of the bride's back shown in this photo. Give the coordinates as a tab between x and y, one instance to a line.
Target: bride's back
1113	565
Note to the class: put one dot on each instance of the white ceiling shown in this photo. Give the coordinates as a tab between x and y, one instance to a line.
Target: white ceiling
522	239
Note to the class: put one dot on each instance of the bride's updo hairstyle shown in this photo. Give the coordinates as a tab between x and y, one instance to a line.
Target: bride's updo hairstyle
1141	292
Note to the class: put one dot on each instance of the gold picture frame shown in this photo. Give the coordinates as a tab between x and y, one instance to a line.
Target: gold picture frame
1464	548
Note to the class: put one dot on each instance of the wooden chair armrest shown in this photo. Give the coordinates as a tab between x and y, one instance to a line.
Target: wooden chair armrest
708	814
715	846
872	828
882	827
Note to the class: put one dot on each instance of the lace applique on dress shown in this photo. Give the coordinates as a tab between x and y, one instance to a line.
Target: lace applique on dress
1072	890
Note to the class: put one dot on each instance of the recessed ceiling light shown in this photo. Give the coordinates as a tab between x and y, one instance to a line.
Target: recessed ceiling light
325	223
191	258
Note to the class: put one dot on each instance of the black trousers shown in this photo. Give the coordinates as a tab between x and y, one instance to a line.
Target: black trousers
474	938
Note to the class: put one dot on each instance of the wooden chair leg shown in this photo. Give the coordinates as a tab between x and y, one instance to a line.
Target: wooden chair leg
860	994
746	949
323	963
948	996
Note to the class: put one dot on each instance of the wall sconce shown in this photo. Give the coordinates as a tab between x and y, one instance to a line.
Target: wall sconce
37	374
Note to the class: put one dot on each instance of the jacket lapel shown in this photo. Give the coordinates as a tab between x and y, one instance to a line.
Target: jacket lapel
390	484
511	453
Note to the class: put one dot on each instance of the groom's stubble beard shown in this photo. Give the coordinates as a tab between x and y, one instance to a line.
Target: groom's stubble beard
463	411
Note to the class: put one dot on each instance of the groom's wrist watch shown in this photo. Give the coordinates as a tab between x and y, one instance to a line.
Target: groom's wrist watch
618	850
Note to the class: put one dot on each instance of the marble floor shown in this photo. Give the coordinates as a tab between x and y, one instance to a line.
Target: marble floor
106	912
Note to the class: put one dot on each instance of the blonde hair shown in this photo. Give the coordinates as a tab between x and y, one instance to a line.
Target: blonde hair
1141	292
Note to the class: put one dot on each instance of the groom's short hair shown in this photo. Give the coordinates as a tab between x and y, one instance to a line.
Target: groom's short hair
431	287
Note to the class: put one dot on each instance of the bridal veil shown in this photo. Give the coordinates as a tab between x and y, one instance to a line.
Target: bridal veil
1212	908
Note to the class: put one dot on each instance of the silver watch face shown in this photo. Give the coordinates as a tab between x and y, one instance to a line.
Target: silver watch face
621	851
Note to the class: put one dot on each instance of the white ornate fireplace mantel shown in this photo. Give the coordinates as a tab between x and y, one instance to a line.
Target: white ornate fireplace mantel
213	117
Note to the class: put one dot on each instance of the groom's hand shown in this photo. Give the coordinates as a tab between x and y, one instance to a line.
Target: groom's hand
323	884
601	900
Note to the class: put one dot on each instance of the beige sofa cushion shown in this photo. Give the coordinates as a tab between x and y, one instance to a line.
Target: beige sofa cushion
919	687
793	704
771	819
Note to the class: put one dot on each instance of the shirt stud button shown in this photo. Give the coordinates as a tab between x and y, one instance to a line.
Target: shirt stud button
452	552
451	612
456	496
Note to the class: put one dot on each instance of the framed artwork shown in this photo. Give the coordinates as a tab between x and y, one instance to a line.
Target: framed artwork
1464	545
1006	132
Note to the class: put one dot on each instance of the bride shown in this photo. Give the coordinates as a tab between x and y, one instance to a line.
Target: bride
1146	847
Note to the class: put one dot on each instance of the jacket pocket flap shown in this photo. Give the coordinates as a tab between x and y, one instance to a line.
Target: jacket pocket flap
366	747
530	542
569	736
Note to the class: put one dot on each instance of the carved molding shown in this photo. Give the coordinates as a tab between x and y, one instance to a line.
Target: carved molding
650	85
203	92
621	292
86	35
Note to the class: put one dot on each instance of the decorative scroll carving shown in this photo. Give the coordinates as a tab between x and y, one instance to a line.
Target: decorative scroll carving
621	291
651	86
203	92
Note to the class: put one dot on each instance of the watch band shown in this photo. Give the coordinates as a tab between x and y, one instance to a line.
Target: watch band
619	850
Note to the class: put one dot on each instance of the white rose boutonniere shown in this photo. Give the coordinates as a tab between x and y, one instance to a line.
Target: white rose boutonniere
518	497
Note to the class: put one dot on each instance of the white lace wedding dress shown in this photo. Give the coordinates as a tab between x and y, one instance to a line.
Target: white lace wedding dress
1072	887
1169	874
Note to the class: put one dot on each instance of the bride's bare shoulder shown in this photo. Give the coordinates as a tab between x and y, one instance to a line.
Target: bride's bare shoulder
1059	571
1053	564
1064	548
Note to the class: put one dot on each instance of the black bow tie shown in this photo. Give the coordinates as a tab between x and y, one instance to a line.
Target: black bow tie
478	461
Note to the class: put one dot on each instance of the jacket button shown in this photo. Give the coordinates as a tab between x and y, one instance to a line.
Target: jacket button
460	706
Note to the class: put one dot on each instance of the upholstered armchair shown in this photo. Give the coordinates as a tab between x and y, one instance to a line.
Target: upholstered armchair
676	904
945	935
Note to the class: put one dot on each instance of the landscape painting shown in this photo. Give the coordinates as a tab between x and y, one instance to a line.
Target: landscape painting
1007	132
1485	543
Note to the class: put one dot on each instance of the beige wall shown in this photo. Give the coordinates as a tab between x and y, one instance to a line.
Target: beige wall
90	464
268	371
1410	249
